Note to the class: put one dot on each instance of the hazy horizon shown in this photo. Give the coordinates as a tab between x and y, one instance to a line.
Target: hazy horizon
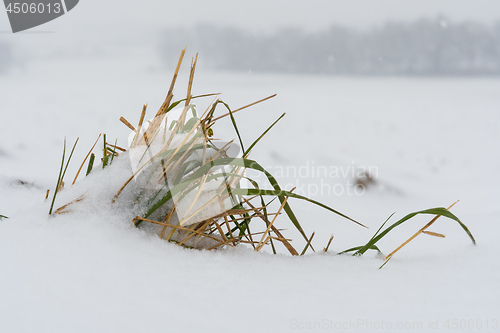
119	16
136	29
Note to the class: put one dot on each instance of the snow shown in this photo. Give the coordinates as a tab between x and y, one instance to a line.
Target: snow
431	140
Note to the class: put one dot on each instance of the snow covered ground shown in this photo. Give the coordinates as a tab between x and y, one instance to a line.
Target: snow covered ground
430	142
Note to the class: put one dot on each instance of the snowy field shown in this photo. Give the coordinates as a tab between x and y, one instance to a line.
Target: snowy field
429	141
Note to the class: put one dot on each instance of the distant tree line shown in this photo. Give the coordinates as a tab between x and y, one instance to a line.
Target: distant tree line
424	47
5	57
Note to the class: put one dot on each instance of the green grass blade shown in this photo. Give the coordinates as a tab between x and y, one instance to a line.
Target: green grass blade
234	123
3	217
247	152
69	158
104	156
376	233
174	104
357	248
433	211
385	263
113	152
61	172
91	164
190	124
58	178
308	244
280	193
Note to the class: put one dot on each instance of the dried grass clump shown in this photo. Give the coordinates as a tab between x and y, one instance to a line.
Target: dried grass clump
193	189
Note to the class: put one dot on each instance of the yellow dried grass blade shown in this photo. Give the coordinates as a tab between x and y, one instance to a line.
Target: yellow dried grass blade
126	122
60	209
285	242
139	126
242	108
328	245
435	234
176	227
155	124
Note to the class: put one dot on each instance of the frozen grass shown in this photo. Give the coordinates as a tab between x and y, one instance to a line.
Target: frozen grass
177	173
229	227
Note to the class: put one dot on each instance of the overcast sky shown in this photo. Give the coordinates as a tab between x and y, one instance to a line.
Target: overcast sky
317	14
139	24
263	15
